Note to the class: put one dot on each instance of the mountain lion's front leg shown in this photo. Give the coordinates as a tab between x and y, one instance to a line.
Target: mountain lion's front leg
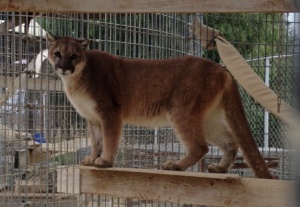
112	130
96	143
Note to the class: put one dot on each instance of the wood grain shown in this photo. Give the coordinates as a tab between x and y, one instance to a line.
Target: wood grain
186	187
148	6
63	147
67	180
32	84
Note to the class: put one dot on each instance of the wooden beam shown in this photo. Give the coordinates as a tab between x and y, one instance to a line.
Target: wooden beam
29	186
63	147
10	135
186	187
148	6
32	84
10	194
67	180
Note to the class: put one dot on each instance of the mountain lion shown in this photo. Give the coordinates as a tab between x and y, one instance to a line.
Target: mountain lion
197	97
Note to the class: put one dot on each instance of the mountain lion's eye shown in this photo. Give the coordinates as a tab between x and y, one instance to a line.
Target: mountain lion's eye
57	54
74	57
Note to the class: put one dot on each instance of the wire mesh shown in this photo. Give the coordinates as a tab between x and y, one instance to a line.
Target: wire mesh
42	137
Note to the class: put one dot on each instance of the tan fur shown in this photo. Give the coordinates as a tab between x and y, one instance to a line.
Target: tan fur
197	97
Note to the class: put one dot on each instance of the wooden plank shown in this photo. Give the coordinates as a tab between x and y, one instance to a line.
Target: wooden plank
10	194
64	147
32	84
68	180
186	187
10	135
29	186
245	166
148	6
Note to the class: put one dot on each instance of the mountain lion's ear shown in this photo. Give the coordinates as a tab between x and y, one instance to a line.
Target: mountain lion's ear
84	43
50	38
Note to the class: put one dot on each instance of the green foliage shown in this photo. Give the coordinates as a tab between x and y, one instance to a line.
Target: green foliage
66	159
254	36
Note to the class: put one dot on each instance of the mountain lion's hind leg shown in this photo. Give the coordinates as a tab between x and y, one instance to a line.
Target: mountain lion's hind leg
96	144
190	131
228	146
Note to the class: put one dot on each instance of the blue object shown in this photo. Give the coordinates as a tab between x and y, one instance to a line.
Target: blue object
39	138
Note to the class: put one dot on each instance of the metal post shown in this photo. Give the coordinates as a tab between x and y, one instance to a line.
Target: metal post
297	88
2	154
266	113
155	145
44	115
195	46
296	58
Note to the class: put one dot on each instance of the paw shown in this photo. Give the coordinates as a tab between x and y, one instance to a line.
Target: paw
170	165
88	161
101	163
215	168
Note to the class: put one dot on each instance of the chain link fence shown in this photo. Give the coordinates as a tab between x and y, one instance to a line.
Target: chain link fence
42	137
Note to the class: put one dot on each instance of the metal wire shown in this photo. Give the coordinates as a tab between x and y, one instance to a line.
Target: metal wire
43	174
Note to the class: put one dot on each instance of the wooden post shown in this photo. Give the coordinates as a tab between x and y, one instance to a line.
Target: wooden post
186	187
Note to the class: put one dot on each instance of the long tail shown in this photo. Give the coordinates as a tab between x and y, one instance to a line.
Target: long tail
236	118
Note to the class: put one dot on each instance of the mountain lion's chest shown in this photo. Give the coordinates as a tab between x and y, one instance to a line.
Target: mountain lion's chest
83	103
85	106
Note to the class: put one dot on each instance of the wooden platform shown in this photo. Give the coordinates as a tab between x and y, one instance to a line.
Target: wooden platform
186	187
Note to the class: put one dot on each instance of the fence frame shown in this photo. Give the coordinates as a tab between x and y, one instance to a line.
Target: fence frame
183	187
149	6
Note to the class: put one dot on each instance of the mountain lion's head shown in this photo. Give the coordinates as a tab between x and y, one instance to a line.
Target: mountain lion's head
66	55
